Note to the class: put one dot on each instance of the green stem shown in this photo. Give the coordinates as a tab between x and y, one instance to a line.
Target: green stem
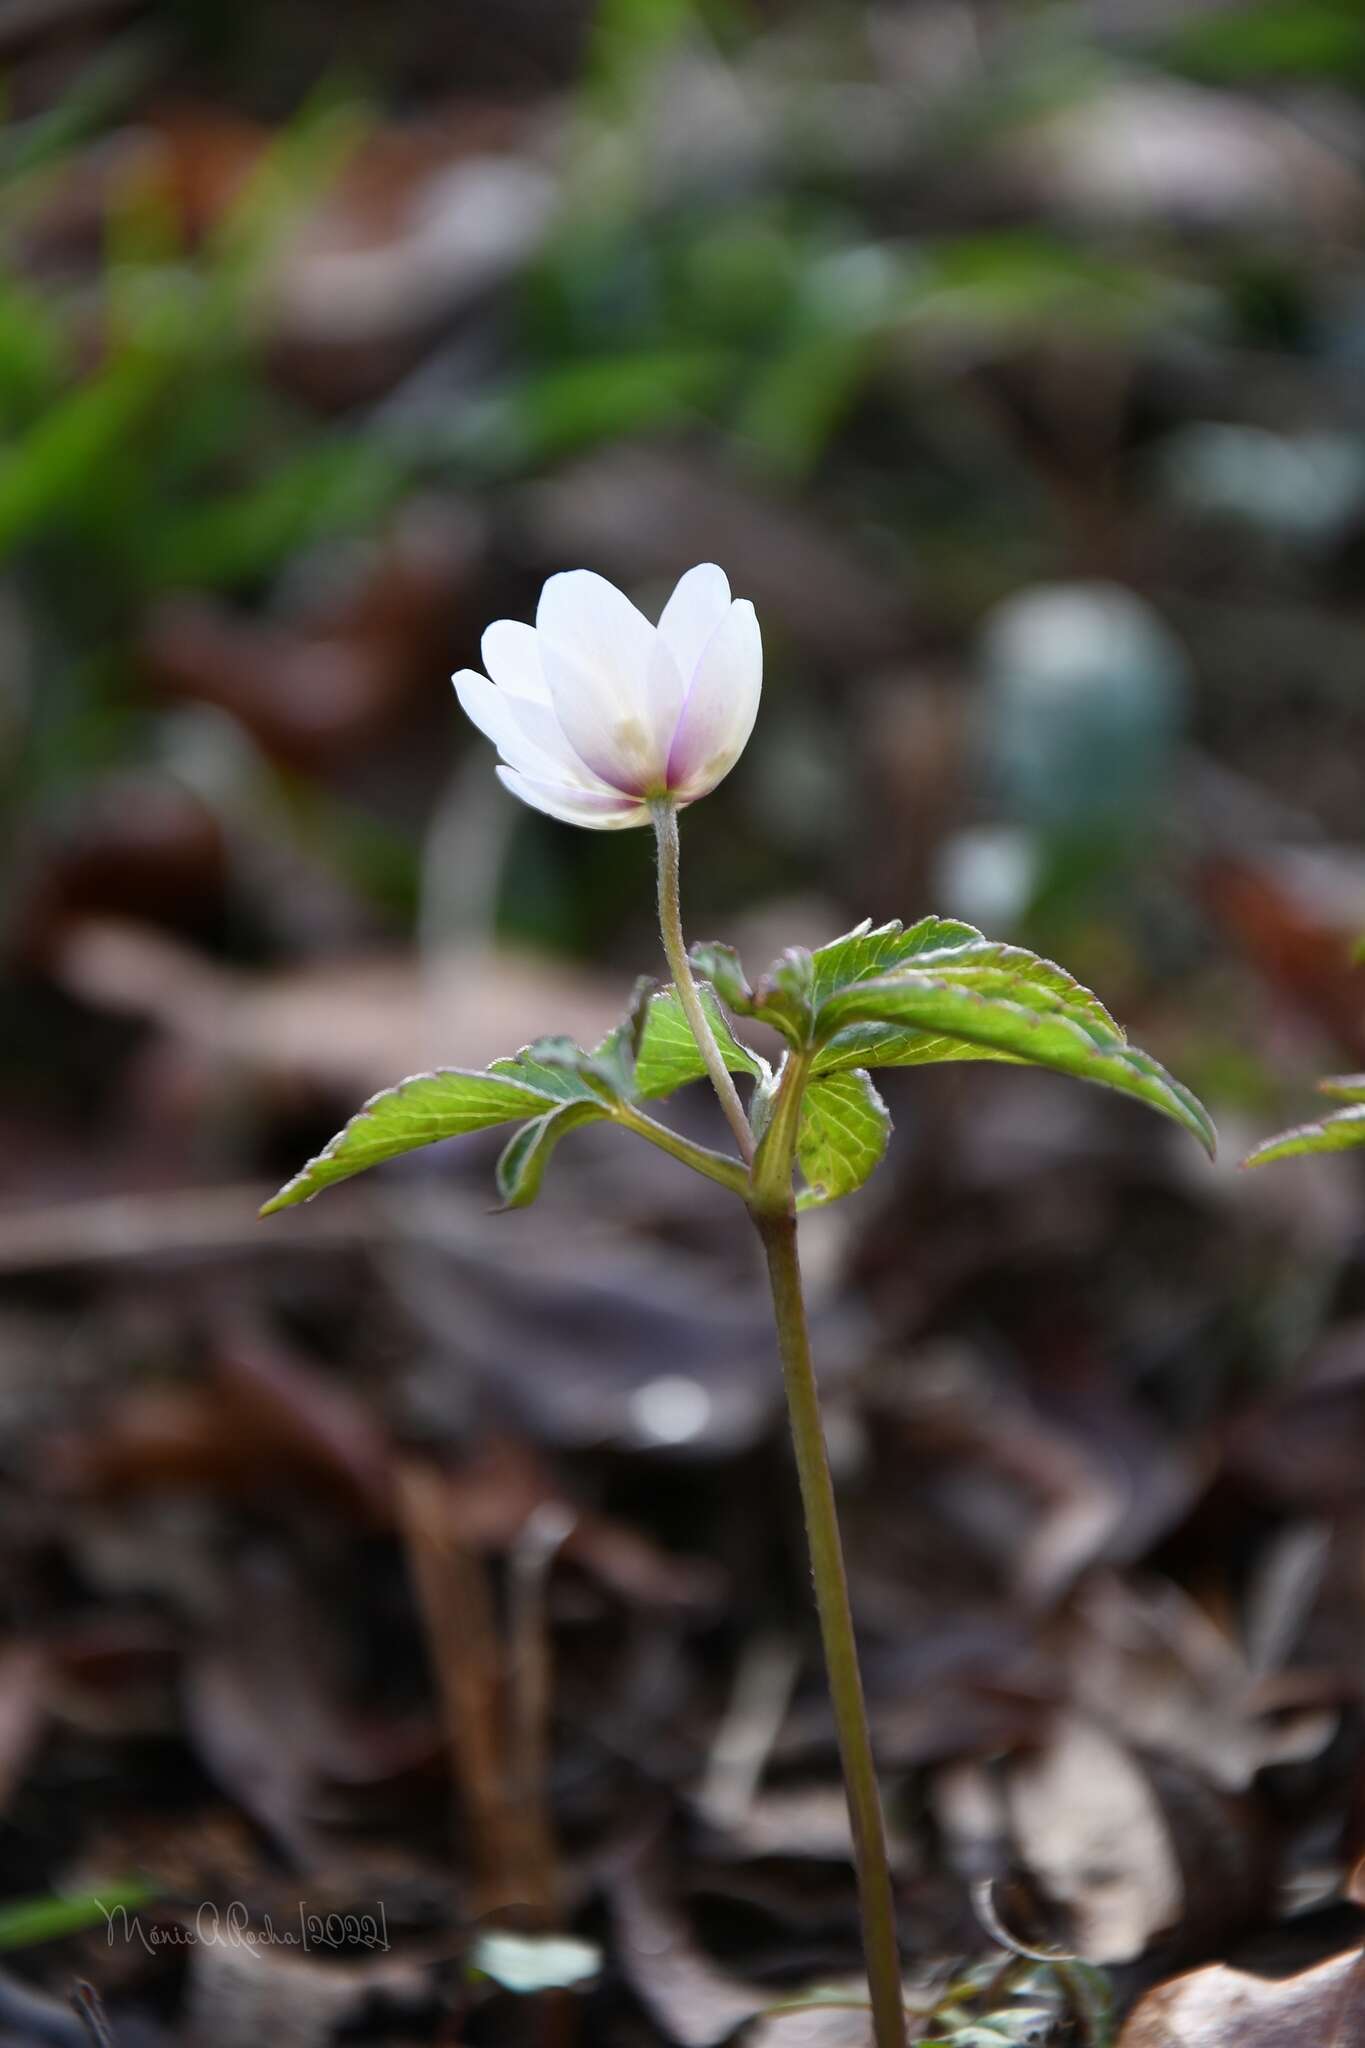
768	1188
778	1233
717	1166
670	930
771	1174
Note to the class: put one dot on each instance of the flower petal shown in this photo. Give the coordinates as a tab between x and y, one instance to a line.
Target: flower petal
527	735
613	687
613	732
721	705
600	813
587	619
511	655
692	614
666	693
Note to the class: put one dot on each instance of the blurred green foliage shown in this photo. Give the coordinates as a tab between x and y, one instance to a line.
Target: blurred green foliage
786	239
144	448
1312	39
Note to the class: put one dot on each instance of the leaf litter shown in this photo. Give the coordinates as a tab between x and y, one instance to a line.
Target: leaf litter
402	1565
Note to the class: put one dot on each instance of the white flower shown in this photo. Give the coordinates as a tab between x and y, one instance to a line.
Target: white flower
594	711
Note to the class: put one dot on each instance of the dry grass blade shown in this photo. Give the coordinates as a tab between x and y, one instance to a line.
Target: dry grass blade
452	1594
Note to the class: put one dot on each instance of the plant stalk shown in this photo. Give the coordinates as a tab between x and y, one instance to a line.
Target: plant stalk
768	1190
880	1949
670	930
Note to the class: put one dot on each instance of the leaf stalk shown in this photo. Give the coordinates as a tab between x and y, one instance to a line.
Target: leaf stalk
716	1166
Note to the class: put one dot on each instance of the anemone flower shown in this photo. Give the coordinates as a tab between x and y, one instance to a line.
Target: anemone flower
597	714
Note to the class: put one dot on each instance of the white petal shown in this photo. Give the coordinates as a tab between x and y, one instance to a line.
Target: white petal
614	734
666	689
575	806
587	619
511	655
692	614
721	706
528	736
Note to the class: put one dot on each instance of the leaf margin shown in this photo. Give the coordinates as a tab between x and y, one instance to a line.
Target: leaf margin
314	1175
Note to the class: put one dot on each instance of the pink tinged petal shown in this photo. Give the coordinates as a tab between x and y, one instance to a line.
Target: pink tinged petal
614	734
527	735
692	614
721	706
511	655
600	813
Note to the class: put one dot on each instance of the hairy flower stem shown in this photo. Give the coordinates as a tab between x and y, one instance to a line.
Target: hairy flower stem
880	1951
769	1195
670	930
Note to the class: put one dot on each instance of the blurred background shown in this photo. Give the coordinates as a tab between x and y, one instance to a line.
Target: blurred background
1011	358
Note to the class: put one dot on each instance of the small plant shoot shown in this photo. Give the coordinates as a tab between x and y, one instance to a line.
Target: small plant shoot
605	720
1342	1131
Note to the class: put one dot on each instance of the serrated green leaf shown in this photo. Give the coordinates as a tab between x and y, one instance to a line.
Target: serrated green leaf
985	971
845	1128
1016	1017
553	1084
419	1111
560	1068
668	1056
1344	1087
959	953
1343	1132
782	998
789	991
796	989
892	1045
521	1168
547	1065
618	1052
721	966
989	970
647	1056
867	951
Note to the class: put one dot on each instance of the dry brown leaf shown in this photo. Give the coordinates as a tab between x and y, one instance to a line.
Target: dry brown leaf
348	1026
1224	2008
241	1994
260	1426
1302	950
697	2004
1091	1830
1151	1664
822	2025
